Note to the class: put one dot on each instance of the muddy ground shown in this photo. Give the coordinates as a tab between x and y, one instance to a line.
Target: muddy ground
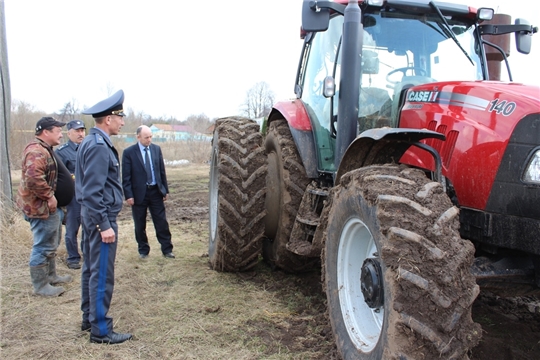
181	309
510	324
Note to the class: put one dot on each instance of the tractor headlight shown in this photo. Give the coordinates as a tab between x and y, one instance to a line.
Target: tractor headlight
532	171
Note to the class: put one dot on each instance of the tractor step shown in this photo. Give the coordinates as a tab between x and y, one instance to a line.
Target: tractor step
306	222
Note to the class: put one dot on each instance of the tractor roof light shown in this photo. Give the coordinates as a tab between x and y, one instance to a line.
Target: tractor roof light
375	2
485	14
532	171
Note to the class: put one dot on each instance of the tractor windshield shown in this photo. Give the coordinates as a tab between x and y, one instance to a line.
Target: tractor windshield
400	50
399	46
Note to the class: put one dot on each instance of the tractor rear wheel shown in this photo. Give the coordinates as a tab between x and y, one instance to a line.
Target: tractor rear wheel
285	186
397	273
237	195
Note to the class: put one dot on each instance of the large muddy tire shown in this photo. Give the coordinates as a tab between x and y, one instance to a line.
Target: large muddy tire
237	195
396	271
285	186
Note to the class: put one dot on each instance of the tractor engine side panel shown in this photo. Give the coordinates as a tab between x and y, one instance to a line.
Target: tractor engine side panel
478	119
492	130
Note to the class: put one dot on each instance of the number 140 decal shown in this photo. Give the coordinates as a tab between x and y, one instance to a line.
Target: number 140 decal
504	107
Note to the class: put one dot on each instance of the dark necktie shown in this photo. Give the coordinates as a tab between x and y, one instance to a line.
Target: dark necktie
147	166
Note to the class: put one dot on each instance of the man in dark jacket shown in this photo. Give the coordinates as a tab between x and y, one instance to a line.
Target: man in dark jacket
45	186
99	191
145	187
68	154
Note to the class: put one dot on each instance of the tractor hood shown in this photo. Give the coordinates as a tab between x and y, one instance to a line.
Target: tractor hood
488	97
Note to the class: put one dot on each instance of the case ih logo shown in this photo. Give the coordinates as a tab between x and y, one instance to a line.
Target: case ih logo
422	96
498	106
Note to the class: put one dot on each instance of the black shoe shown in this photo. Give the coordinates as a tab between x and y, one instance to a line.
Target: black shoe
169	255
143	256
74	266
112	338
85	325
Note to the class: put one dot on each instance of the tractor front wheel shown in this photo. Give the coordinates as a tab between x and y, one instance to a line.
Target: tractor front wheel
396	272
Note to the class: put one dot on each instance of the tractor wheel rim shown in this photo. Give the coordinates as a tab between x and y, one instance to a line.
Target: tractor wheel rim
363	323
214	183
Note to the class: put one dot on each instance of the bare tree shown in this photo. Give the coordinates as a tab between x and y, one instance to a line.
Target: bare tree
200	123
109	88
259	101
70	111
23	120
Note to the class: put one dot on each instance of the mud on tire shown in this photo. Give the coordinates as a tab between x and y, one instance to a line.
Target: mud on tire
237	195
397	273
286	183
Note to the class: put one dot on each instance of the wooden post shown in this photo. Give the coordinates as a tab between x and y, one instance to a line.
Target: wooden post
5	111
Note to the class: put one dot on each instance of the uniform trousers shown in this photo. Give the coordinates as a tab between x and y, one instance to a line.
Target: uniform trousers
73	223
97	278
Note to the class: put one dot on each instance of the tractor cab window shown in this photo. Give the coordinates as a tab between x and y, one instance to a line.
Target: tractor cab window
403	50
321	62
400	50
321	51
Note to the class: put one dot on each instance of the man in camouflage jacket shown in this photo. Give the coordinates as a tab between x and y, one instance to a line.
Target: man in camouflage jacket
42	174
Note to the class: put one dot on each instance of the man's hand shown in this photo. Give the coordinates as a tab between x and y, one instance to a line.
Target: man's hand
130	201
166	197
52	203
108	236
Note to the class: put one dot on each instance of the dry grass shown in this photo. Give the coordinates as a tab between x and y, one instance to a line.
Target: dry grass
176	309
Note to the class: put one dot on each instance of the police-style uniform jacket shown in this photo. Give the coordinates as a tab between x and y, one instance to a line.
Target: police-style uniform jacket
68	154
97	162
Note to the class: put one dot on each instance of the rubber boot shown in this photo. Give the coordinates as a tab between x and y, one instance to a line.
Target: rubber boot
40	280
53	277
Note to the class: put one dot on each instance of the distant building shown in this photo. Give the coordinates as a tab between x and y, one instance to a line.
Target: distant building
167	132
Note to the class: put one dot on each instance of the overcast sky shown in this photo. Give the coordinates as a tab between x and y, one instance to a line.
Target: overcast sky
173	58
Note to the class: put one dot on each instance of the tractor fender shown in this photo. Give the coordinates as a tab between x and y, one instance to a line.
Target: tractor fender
381	146
296	116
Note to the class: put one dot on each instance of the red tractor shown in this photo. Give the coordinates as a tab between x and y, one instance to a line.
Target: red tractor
404	167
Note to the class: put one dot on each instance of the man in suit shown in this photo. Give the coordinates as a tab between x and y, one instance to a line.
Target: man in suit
145	188
98	189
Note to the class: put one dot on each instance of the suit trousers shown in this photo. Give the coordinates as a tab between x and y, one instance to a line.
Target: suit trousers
97	277
153	201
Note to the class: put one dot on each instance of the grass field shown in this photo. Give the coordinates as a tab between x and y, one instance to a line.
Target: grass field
176	309
180	309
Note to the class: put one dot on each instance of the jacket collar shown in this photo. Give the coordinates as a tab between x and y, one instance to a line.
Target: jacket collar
43	143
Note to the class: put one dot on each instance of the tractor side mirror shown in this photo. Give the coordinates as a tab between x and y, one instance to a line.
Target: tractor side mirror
329	88
314	18
523	39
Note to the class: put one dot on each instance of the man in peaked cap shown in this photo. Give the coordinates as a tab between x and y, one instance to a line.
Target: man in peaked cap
98	190
68	154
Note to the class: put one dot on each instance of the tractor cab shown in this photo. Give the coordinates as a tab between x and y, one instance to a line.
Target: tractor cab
399	48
